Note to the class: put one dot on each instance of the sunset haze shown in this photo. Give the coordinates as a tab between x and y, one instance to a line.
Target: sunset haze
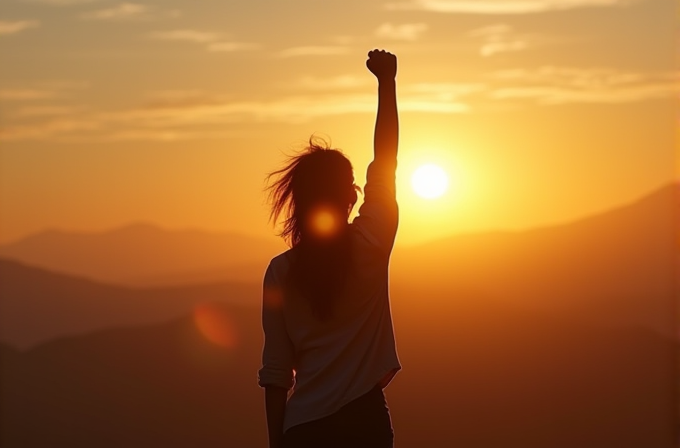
540	112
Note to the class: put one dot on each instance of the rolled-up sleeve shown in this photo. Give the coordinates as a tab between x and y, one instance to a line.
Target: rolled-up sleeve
379	214
278	352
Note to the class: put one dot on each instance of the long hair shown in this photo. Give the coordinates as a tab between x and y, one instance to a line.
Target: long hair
314	193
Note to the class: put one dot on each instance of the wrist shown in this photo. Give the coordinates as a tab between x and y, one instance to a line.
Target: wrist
387	82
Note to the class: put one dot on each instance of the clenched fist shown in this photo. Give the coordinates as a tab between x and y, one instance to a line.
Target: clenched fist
382	64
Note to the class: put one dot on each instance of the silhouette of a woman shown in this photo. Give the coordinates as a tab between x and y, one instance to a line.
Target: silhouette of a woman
329	347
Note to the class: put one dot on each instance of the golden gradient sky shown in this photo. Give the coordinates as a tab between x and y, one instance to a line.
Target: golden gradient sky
541	111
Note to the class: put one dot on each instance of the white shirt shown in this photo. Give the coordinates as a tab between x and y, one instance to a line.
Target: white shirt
329	363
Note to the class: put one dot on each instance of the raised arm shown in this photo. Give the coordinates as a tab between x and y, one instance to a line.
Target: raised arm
379	214
386	139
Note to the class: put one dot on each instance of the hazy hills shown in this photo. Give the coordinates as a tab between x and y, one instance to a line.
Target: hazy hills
495	333
471	378
159	386
633	244
143	254
38	305
616	268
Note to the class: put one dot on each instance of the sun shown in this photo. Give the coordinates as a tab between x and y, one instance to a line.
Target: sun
429	181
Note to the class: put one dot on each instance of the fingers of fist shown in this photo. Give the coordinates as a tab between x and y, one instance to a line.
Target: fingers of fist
382	63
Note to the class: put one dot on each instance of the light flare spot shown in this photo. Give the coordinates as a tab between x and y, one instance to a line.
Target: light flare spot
324	222
215	324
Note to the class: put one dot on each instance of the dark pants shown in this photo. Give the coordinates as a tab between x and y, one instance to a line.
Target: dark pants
362	423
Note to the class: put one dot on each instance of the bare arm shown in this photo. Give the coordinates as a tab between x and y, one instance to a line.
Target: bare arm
275	403
276	374
386	139
379	214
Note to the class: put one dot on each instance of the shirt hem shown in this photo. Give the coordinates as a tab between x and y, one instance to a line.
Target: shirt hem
377	382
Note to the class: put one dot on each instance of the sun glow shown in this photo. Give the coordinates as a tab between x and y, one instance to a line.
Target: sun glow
429	181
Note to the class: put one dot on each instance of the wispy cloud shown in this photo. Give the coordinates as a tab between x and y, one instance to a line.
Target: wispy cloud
344	40
499	39
406	31
26	94
166	135
559	85
124	11
491	30
194	115
195	36
47	129
130	11
174	96
41	90
328	50
215	42
501	6
232	46
574	76
334	83
560	95
445	90
45	111
17	26
61	2
441	97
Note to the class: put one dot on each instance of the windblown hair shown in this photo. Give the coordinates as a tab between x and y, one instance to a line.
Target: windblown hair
317	178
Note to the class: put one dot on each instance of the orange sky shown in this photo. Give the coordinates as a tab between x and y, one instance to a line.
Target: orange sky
171	112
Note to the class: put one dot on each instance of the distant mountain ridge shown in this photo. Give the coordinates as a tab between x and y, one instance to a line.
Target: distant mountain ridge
616	268
555	337
38	305
145	254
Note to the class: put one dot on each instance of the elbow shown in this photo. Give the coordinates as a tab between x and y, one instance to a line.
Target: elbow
270	376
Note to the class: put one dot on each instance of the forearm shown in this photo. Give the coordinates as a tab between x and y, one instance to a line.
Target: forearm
386	137
275	403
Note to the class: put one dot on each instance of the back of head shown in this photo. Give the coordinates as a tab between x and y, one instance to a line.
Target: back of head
314	193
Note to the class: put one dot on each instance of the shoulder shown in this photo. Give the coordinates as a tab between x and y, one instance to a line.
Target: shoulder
283	259
278	266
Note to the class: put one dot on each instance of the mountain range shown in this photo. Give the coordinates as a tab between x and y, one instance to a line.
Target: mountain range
643	231
470	378
143	254
558	337
37	305
616	268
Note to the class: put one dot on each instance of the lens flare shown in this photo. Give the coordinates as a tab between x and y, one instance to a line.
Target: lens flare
215	324
324	222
